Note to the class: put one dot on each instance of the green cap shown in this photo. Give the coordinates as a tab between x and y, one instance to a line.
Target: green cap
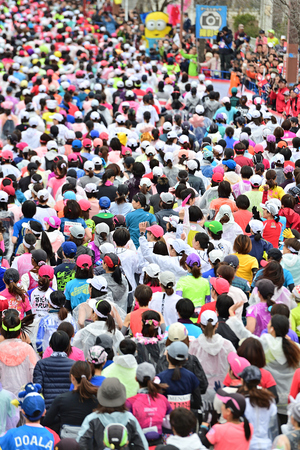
214	226
271	31
234	90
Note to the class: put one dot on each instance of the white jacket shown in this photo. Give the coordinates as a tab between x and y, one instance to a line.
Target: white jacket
186	443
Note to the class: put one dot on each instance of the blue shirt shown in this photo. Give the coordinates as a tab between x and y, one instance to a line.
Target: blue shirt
19	231
66	224
291	334
27	438
210	273
185	385
288	278
133	219
77	291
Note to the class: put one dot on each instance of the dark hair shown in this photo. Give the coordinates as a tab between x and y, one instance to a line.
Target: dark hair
104	308
258	397
246	172
138	169
185	308
203	240
224	302
81	371
30	239
177	364
13	288
183	421
121	236
242	244
252	350
153	388
68	328
11	319
141	198
82	273
274	272
224	189
195	213
208	330
60	169
150	330
270	177
242	202
227	272
127	347
59	341
160	248
291	351
58	298
28	209
143	294
72	210
280	309
122	191
288	201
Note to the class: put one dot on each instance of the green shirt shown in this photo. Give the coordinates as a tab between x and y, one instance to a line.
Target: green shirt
196	289
295	319
193	66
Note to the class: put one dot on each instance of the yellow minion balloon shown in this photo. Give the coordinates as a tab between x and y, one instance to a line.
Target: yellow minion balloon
156	27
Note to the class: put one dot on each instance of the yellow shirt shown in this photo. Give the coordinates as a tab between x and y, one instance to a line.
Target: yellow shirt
246	264
276	192
274	40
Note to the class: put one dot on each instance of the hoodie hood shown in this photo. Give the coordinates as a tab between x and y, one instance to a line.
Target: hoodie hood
186	443
273	349
53	236
126	361
212	346
290	259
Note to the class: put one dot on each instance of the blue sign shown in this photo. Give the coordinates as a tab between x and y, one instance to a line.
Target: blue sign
209	20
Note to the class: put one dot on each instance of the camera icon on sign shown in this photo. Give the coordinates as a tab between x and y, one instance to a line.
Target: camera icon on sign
211	19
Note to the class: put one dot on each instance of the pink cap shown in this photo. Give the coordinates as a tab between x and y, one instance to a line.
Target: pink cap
218	169
104	135
220	285
53	221
237	363
156	230
50	72
73	157
258	148
126	150
84	204
46	271
97	142
21	145
87	143
7	155
83	260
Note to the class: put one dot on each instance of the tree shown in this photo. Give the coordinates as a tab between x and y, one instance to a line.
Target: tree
250	24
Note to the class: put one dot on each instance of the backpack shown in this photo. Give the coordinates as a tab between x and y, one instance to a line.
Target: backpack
8	128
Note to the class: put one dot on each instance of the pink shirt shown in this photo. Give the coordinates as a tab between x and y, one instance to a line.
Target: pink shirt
18	304
76	354
227	436
55	184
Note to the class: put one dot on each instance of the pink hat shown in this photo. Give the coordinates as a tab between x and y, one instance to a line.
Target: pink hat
114	156
104	135
220	285
156	230
126	150
73	157
84	204
237	363
46	271
7	155
21	145
218	169
97	142
7	105
83	260
53	221
258	148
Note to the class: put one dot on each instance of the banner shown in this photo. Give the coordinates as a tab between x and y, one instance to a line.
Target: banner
209	20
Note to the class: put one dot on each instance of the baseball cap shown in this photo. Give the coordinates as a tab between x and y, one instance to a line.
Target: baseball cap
9	190
105	341
236	402
3	197
217	177
143	370
46	271
145	181
258	148
270	207
278	158
76	144
96	355
84	260
7	155
152	270
193	259
183	139
237	363
192	164
220	285
111	393
84	204
232	261
69	195
177	332
171	134
156	230
53	221
94	133
167	278
288	169
104	202
256	225
265	287
112	260
98	282
209	316
33	404
229	163
77	231
69	248
167	126
179	245
89	165
90	188
251	373
178	350
167	197
255	180
215	255
214	226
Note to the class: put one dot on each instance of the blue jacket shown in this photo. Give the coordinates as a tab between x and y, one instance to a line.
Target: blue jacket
53	374
259	247
110	26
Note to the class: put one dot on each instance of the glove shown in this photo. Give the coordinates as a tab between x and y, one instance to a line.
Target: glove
287	234
255	213
217	385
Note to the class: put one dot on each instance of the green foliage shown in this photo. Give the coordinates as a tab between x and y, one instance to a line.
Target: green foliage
250	24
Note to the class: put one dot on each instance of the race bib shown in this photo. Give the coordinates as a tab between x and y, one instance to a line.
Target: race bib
180	401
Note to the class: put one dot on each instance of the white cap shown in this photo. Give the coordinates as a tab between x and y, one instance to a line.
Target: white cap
3	197
256	225
120	119
43	193
95	115
145	181
199	109
169	156
183	139
167	126
144	144
52	144
171	135
219	149
150	150
216	254
278	158
192	164
201	77
152	270
209	316
33	121
57	116
255	114
225	100
90	188
255	180
51	104
70	134
89	165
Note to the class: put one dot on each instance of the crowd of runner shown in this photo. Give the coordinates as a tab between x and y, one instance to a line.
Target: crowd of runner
149	237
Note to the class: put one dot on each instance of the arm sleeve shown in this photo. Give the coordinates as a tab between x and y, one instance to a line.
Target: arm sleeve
38	375
85	435
200	374
52	414
40	337
138	440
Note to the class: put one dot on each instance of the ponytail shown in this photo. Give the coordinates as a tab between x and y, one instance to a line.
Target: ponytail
196	271
46	245
257	236
103	313
178	365
82	373
91	173
291	351
16	291
247	430
208	330
183	259
153	388
57	300
43	283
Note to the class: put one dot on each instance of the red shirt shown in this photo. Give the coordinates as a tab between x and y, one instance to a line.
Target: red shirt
295	387
242	218
243	161
136	320
266	381
271	231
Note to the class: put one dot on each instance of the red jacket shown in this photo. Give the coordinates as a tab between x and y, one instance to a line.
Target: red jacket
292	218
295	106
280	104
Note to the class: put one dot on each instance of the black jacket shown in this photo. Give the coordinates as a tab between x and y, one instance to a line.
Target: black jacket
53	374
192	364
226	332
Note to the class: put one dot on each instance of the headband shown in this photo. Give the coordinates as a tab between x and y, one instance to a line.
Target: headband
52	304
28	245
98	313
18	327
107	259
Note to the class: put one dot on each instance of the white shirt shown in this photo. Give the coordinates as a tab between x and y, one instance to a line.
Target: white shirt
140	112
130	262
166	305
